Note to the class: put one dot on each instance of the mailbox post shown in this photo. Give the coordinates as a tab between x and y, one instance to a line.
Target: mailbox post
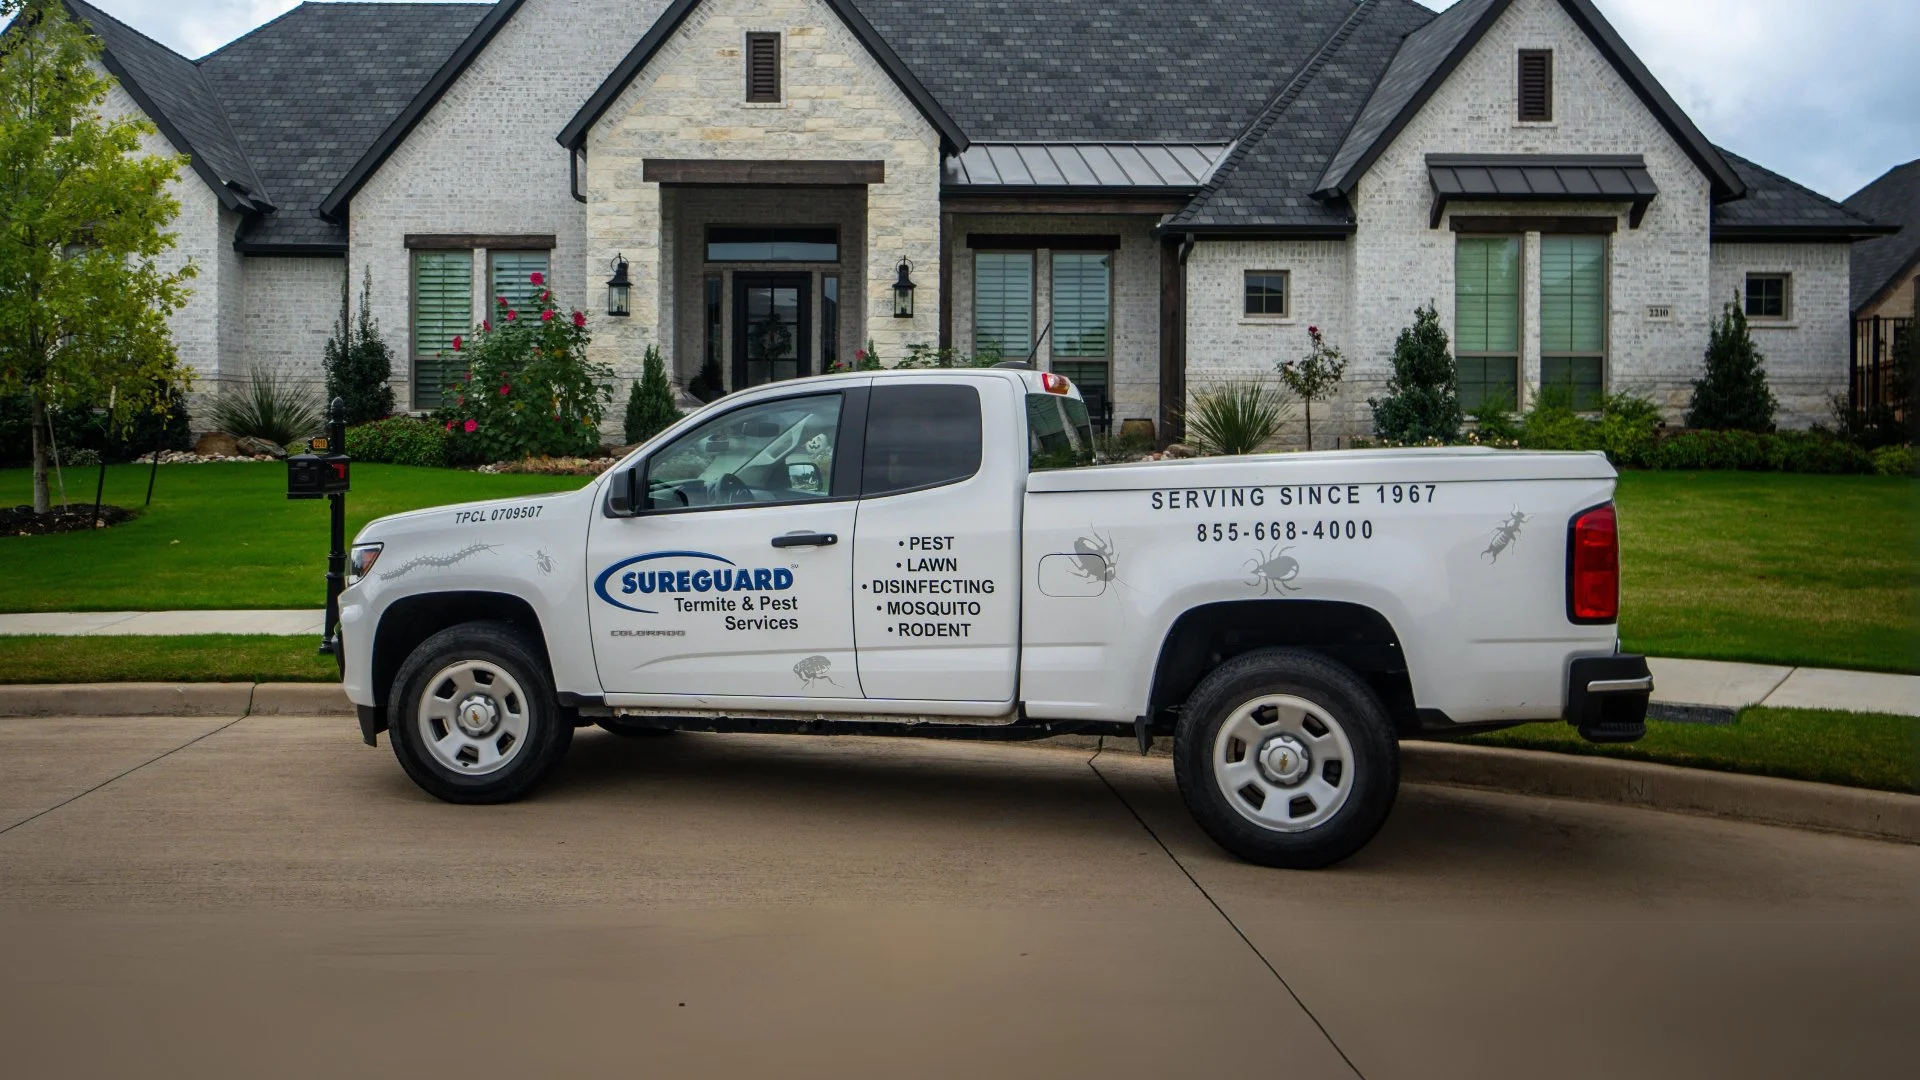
326	470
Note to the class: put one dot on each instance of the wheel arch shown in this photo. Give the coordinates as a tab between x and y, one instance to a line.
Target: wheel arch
413	619
1205	636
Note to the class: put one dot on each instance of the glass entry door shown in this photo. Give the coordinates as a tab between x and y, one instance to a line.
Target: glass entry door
772	328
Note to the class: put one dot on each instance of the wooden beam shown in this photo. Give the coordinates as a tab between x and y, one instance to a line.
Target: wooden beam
765	173
946	280
1033	241
492	241
1591	225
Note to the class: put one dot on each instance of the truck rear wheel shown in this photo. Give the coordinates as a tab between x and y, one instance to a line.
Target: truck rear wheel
1286	759
475	720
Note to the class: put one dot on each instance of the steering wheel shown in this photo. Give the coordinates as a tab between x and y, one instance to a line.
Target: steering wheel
731	489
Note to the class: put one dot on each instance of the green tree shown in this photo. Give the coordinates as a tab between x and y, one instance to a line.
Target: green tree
83	217
1733	394
650	407
1315	376
1422	401
358	362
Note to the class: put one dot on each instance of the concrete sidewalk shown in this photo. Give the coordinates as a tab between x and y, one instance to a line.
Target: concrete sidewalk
1707	691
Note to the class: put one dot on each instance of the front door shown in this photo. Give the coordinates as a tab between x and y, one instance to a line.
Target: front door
735	578
772	328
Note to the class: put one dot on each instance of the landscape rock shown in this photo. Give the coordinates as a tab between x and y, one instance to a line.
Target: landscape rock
254	447
217	444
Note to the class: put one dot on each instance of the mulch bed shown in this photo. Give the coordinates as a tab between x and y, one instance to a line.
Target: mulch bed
22	521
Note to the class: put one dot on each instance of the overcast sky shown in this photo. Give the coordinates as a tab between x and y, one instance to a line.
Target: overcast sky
1826	92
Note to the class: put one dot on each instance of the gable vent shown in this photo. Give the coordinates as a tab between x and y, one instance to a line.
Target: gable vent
1536	84
763	67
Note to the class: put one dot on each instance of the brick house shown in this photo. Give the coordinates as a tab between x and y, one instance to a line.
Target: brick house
1886	282
1152	200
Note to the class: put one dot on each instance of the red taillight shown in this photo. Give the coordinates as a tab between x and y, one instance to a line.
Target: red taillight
1054	384
1593	566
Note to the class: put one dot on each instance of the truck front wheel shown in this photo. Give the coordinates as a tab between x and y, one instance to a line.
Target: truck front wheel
1286	759
475	720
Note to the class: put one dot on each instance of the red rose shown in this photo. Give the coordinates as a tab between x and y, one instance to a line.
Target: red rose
487	325
546	316
537	278
545	296
468	376
449	425
501	300
859	354
470	427
456	343
461	400
512	314
1314	330
503	391
579	319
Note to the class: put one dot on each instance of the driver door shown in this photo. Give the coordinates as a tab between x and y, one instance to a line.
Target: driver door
734	576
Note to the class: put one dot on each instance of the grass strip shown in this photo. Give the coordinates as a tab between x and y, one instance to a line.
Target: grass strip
1869	750
49	658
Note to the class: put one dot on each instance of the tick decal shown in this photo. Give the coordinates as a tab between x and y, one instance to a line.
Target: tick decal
1094	558
1273	571
1506	535
814	669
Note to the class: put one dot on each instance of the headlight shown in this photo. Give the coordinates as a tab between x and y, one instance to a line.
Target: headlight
360	561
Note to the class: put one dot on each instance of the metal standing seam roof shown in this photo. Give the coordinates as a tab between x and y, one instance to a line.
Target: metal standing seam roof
1541	178
1082	165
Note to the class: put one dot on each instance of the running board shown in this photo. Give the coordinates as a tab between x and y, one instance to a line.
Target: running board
1011	729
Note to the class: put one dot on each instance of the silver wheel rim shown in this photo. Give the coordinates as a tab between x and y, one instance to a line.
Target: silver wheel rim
473	717
1283	762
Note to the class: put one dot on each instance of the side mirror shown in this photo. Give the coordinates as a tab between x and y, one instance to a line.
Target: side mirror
624	492
803	476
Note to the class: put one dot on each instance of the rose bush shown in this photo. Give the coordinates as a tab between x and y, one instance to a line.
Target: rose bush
528	389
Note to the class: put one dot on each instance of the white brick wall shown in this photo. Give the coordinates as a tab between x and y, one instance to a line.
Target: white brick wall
839	105
1806	354
290	307
484	160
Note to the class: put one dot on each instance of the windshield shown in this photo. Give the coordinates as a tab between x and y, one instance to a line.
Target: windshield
1059	435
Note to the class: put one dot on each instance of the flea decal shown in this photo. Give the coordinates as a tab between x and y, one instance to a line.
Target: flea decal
1506	535
814	669
1273	571
1094	558
437	560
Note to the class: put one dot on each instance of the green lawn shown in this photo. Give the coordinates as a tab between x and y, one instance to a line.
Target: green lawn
42	658
216	536
1815	570
1870	750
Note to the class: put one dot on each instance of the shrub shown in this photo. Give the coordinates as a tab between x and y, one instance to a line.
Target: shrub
164	427
1896	461
922	355
1732	395
1551	423
401	440
529	389
706	385
271	408
1627	429
358	363
1494	423
1793	451
1236	419
1314	376
1422	401
650	407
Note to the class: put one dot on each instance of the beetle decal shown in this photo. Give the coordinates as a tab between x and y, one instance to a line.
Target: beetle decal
1506	535
1094	558
814	669
1273	571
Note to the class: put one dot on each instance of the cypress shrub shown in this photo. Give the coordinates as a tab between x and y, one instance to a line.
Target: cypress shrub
650	407
1422	401
358	363
1732	395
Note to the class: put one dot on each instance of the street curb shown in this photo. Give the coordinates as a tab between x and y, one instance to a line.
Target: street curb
301	699
127	699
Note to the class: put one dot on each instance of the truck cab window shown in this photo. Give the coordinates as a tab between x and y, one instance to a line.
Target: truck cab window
1059	435
920	436
775	452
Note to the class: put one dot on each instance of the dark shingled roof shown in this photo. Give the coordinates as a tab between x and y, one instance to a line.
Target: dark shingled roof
1776	208
1894	199
308	92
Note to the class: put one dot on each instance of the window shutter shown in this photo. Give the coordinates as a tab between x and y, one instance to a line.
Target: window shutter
1487	294
1536	84
442	307
1573	294
1082	303
763	67
1003	302
513	278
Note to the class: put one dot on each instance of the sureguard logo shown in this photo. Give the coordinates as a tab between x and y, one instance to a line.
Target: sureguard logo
620	583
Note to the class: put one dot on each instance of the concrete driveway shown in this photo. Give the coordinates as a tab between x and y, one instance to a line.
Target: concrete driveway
203	897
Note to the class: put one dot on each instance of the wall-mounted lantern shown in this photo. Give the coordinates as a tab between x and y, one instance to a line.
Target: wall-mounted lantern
903	292
619	289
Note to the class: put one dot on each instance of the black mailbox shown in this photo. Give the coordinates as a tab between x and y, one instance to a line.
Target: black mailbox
311	476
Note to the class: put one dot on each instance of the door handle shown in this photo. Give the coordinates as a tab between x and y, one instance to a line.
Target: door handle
805	539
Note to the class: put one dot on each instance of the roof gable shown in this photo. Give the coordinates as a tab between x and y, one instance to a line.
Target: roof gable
1431	53
1881	263
574	135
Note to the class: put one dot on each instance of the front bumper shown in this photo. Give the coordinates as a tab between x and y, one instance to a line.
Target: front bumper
1607	697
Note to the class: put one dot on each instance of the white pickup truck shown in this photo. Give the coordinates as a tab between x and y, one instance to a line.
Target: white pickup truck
900	552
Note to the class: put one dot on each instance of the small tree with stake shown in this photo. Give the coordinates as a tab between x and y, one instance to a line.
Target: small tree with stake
358	363
1422	401
83	299
650	407
1733	394
1315	376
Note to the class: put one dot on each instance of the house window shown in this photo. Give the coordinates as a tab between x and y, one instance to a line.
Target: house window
1266	292
512	278
442	308
1573	317
763	67
829	321
1767	295
1536	85
731	243
1003	303
1082	325
1486	309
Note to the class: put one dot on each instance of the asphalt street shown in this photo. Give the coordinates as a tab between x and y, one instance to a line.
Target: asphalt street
269	897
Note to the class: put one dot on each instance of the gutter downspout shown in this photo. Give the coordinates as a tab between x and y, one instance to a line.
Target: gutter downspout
1178	417
573	173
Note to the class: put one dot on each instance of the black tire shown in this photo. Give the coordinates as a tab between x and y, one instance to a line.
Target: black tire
531	756
627	728
1370	759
